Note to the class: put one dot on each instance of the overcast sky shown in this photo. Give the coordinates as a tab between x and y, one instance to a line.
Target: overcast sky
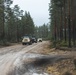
37	8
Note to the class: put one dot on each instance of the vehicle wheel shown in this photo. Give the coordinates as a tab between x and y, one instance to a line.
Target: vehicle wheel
22	43
25	43
36	42
30	43
40	40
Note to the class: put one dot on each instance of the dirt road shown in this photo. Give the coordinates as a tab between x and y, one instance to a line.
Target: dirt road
24	60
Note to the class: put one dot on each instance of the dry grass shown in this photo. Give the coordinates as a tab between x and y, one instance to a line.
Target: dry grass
64	67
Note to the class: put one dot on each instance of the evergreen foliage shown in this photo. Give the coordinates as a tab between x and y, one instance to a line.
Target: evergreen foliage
42	31
62	21
13	23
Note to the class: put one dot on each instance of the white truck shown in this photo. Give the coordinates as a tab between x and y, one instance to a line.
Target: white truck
26	40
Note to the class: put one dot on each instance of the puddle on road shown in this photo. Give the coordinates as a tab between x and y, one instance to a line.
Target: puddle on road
36	74
32	64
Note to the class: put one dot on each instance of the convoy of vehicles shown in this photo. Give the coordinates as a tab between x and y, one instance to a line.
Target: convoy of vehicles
29	40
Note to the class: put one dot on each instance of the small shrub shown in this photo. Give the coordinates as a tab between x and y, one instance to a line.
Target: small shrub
64	44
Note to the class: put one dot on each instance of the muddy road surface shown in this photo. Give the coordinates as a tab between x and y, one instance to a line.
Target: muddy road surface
25	59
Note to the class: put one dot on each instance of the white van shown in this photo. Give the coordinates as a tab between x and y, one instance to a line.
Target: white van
26	40
39	39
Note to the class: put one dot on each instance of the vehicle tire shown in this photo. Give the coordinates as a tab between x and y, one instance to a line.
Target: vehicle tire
25	43
22	43
30	43
40	40
35	41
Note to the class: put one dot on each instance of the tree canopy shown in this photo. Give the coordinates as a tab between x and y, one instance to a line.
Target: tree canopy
13	23
62	23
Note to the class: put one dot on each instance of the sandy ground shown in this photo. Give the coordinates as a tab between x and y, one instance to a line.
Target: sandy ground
38	57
